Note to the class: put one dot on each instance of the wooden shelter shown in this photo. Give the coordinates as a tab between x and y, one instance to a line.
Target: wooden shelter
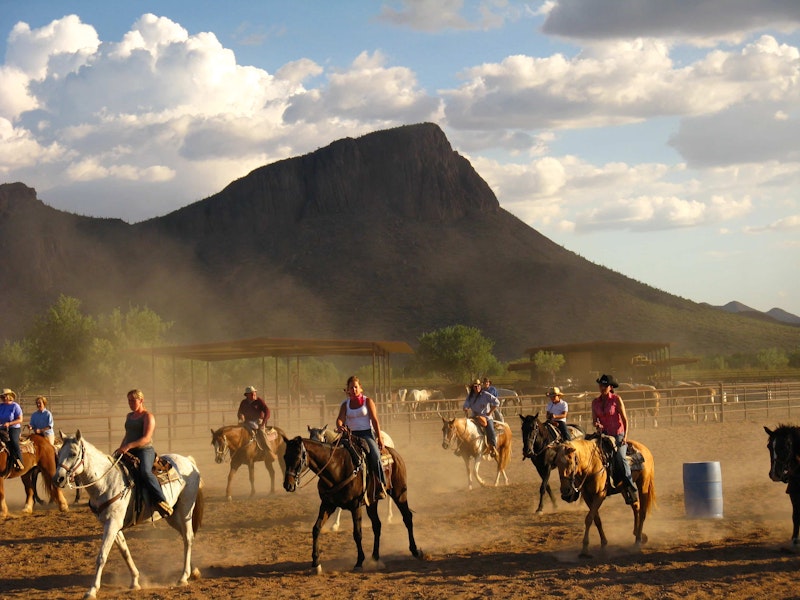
640	362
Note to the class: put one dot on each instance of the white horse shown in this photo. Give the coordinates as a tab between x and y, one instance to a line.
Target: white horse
422	403
329	436
111	493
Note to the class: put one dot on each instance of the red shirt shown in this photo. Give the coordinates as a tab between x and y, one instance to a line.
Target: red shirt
606	410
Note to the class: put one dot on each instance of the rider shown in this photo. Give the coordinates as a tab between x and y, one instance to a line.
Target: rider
557	411
359	415
138	441
42	420
608	412
482	404
253	415
11	421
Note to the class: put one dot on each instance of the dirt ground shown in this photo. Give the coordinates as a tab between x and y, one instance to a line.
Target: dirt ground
478	544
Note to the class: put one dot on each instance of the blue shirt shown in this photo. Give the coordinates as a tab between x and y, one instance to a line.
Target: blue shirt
481	403
41	419
10	412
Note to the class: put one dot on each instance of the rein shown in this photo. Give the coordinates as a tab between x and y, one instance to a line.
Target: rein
73	468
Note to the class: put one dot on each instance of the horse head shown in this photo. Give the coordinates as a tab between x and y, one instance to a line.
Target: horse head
296	460
784	446
448	432
568	471
530	432
70	460
220	443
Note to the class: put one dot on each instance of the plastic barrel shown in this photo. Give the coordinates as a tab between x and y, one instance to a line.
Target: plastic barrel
702	490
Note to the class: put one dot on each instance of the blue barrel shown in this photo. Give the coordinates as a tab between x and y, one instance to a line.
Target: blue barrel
702	490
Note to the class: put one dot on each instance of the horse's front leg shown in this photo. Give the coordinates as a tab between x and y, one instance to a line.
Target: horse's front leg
325	511
545	488
468	468
231	473
372	512
28	482
3	505
271	471
356	512
112	534
476	468
251	469
795	519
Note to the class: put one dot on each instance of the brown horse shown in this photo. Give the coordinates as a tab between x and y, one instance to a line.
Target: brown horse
243	449
583	472
36	452
346	485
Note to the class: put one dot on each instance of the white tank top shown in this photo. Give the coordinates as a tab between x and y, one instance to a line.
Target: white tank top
358	418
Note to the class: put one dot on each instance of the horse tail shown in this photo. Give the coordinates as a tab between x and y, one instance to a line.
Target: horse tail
199	508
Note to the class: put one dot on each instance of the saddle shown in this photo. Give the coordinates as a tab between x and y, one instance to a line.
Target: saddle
608	449
165	473
359	450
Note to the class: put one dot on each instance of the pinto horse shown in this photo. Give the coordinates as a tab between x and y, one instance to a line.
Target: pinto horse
329	436
539	441
464	437
346	485
583	473
237	441
784	456
112	497
38	455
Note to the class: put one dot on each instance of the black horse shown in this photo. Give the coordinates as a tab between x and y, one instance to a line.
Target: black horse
784	454
539	440
343	484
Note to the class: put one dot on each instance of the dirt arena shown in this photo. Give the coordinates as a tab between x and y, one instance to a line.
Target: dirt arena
484	543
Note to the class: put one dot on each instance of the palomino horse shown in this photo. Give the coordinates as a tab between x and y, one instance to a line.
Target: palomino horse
112	497
539	443
323	434
346	485
464	437
583	473
243	449
784	456
38	454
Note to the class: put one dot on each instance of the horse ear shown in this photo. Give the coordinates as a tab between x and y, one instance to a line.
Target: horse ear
61	434
769	433
568	450
78	435
309	428
285	439
521	418
324	428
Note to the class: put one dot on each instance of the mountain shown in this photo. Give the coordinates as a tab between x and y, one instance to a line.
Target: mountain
386	236
774	314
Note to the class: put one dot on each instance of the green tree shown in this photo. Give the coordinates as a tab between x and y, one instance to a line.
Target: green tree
772	359
16	365
59	341
457	353
549	362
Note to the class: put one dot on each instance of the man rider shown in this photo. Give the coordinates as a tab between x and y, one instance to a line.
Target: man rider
253	415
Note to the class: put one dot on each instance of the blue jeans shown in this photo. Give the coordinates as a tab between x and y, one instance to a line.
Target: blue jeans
147	457
562	427
622	450
374	456
491	435
14	452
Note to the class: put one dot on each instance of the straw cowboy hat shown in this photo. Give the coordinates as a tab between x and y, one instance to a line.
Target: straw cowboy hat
8	392
555	391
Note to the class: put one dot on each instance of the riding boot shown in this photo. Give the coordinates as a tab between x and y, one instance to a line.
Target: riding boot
630	493
492	451
164	509
380	489
19	465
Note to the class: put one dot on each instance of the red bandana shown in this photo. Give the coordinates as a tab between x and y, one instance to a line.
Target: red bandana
360	400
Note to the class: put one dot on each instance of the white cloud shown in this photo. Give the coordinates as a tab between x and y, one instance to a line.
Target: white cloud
790	223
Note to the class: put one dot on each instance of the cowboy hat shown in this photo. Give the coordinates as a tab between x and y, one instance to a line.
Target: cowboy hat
8	392
250	390
554	391
607	380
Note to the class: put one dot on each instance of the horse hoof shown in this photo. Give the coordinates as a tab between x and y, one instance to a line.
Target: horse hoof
229	498
316	570
195	574
584	554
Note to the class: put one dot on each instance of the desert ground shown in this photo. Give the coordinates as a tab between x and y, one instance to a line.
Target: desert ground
482	543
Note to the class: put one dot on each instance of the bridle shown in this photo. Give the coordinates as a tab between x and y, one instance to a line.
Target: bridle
220	447
72	472
529	440
782	465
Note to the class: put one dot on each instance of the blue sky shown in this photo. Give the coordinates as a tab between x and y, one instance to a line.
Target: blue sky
655	137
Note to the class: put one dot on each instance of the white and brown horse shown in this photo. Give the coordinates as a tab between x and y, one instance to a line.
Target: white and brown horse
466	440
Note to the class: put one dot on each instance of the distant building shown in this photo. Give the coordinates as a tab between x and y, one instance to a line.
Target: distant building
640	362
